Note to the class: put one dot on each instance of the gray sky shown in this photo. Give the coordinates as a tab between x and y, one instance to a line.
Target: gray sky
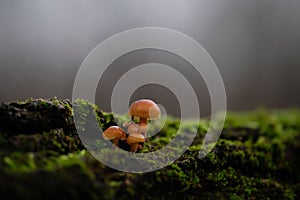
255	44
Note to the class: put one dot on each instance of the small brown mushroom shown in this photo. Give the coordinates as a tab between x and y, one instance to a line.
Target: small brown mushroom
140	111
133	140
114	133
143	110
137	129
133	128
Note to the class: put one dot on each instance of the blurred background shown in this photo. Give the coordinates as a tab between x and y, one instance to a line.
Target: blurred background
255	44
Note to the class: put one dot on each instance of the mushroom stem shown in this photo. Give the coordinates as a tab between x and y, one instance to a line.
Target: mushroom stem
143	121
134	147
116	143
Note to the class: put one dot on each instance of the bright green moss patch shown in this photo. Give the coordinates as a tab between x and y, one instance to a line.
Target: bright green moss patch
42	157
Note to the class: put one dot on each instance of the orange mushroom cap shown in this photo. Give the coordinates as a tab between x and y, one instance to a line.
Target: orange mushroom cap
114	132
144	108
135	138
133	128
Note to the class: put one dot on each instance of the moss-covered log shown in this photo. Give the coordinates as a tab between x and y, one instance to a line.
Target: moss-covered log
42	157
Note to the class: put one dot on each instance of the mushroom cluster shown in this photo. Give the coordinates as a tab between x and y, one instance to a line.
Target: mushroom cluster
140	112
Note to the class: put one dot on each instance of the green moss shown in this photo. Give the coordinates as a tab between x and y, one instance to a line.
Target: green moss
36	115
41	156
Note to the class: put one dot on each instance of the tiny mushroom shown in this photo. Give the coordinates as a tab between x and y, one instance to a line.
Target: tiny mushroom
114	133
143	110
140	112
133	140
136	129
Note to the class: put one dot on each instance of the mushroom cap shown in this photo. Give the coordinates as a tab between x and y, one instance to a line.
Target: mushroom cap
135	128
144	108
114	132
135	138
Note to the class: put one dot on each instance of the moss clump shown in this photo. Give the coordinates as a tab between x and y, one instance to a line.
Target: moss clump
55	141
66	177
36	116
41	156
